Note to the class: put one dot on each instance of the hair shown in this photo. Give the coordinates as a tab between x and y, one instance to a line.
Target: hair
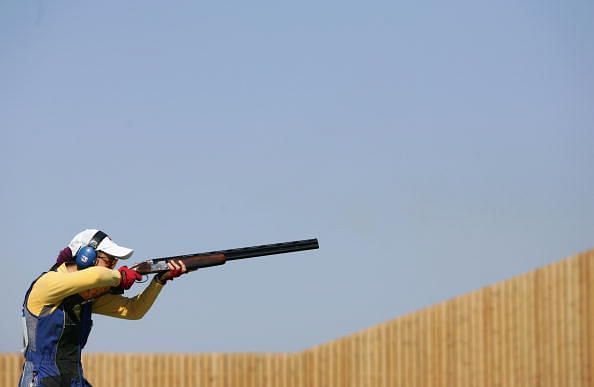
65	255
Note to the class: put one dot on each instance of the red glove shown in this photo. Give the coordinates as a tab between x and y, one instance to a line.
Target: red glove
175	270
128	277
173	273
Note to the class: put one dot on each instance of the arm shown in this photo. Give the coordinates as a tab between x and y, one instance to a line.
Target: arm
132	308
53	287
135	308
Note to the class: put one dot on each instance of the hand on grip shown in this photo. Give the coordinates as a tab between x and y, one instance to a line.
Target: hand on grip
129	276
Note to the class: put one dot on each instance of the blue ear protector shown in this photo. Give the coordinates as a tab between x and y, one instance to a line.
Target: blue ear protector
87	255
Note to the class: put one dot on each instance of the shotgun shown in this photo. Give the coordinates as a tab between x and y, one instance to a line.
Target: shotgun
216	258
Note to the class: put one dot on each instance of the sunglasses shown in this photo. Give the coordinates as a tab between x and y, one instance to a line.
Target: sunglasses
111	261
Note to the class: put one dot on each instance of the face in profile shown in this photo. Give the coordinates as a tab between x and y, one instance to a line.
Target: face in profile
106	260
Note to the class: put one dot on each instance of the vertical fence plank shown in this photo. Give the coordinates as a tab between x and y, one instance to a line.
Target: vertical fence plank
586	311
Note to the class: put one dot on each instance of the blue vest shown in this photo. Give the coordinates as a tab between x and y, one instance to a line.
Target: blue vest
54	341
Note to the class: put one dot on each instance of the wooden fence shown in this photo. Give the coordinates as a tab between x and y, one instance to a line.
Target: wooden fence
536	329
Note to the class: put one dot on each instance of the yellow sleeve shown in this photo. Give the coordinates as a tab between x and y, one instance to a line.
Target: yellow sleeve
52	287
133	308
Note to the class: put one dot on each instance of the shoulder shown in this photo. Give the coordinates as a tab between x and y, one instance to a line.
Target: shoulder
38	296
45	278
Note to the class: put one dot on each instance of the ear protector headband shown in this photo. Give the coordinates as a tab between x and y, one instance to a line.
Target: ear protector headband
87	255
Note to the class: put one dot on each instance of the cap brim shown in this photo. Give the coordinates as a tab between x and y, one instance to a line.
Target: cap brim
110	247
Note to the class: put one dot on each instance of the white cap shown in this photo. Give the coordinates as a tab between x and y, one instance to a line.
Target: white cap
107	245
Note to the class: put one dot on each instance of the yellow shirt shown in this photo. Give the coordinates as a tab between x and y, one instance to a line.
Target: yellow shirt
54	286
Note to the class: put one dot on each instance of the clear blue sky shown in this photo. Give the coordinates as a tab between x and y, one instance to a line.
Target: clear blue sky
433	148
